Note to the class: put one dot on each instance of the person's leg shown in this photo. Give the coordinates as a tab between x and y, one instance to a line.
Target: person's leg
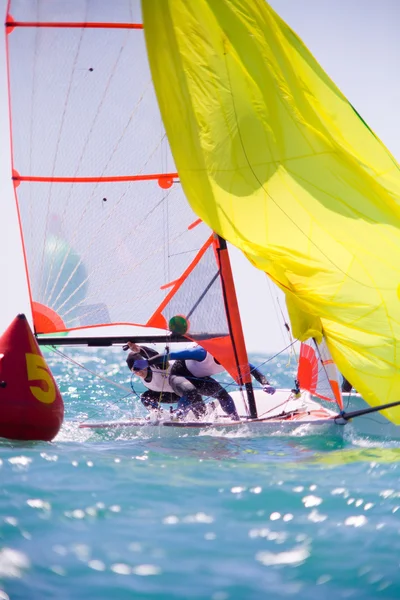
189	397
184	388
167	397
150	399
208	386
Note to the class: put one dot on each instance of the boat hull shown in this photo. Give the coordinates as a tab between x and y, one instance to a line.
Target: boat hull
280	413
304	416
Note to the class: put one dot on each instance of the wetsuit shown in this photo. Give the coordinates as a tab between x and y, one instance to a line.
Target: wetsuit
190	376
157	380
192	369
159	386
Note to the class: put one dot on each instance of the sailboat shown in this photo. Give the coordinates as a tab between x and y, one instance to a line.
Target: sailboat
114	252
279	163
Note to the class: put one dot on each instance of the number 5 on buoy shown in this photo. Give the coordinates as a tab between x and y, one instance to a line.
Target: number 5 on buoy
38	371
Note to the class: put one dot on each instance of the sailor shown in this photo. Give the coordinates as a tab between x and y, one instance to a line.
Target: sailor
156	379
193	368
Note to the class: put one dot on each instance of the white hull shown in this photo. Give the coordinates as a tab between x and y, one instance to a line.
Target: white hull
308	417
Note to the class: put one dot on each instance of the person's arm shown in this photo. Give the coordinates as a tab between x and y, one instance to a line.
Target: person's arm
197	354
144	351
148	352
258	376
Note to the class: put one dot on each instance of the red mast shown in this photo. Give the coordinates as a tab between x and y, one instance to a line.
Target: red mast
235	323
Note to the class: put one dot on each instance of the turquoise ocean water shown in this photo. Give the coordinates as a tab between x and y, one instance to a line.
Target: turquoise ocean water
193	516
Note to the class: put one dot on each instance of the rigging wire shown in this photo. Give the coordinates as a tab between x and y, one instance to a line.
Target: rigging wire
236	385
289	332
133	390
350	395
78	364
274	303
286	327
277	354
109	381
98	376
96	413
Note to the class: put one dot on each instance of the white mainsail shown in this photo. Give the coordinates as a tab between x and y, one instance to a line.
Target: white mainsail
112	248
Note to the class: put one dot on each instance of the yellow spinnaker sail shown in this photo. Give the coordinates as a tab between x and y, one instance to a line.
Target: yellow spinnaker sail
275	159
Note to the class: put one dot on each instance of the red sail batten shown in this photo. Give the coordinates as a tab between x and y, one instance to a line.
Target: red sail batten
194	224
222	348
177	284
159	176
11	24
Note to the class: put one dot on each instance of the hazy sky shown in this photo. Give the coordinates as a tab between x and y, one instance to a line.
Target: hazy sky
356	42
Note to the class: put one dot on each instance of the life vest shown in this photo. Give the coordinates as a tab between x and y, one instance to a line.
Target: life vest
159	380
204	368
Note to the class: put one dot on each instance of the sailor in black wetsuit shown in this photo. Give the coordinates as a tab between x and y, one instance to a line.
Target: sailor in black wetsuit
156	379
191	371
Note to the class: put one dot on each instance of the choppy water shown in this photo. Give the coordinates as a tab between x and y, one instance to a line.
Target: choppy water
194	516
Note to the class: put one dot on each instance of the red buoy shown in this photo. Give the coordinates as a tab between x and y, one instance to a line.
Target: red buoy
31	406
